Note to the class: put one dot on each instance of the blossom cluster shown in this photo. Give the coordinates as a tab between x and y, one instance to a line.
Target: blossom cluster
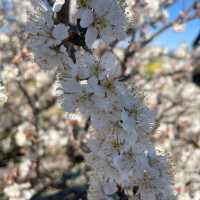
9	73
21	133
30	141
123	161
170	75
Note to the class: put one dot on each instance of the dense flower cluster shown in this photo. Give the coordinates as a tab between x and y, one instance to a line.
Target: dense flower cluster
19	191
21	133
121	156
169	73
9	73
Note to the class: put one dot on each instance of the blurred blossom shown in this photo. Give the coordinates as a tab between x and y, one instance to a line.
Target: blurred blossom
3	96
178	27
54	139
19	191
4	38
24	168
182	51
21	137
42	79
9	73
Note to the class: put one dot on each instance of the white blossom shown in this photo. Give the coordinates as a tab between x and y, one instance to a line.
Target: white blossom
9	73
3	96
24	168
58	5
60	32
102	19
19	191
121	154
21	135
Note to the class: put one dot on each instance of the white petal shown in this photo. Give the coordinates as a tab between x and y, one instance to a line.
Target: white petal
49	19
43	4
115	16
110	64
58	5
102	103
85	60
91	36
100	6
71	86
98	122
110	188
128	123
69	103
94	87
107	34
118	162
94	145
148	195
60	32
146	119
86	18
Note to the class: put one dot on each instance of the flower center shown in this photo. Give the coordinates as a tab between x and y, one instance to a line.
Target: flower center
116	145
95	70
133	112
100	23
108	84
82	3
85	97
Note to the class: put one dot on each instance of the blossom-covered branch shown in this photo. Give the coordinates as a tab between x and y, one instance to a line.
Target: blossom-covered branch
123	161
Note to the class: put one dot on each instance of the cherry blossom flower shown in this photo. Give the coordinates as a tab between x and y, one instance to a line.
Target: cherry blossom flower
58	5
102	19
60	32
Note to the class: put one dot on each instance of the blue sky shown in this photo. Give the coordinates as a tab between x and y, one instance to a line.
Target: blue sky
171	39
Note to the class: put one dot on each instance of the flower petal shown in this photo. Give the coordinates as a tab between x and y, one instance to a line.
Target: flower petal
110	188
111	65
60	32
57	6
87	18
100	6
91	36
